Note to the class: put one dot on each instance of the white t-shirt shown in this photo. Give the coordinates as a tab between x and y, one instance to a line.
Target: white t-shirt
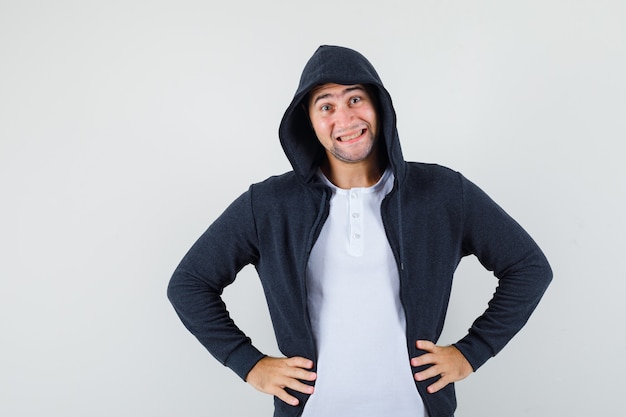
358	321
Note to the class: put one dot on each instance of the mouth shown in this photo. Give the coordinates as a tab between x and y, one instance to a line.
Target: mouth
353	137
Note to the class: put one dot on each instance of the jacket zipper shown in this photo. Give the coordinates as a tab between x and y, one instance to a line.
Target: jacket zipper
397	250
317	228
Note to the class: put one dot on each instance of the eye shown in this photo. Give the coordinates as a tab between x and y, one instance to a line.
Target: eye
355	99
325	107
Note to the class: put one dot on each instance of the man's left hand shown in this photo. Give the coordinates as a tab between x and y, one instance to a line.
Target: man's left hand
446	361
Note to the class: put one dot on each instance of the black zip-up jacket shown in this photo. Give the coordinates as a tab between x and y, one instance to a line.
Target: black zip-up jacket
433	217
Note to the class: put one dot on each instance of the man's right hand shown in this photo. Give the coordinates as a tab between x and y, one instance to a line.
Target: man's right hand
273	375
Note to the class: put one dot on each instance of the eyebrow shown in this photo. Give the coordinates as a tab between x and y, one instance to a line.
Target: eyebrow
343	93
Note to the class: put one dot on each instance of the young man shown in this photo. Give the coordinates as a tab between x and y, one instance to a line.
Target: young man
356	250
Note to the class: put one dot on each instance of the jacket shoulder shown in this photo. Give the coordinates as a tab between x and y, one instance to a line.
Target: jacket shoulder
277	186
427	176
431	169
279	191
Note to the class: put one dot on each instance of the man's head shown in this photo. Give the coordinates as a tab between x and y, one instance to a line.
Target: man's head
345	121
311	140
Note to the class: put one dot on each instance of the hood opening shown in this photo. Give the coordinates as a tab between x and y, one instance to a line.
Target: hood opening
335	64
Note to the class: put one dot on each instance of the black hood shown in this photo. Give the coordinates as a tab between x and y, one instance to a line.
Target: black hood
339	65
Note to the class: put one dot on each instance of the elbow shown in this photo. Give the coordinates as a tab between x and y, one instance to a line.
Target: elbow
547	272
173	289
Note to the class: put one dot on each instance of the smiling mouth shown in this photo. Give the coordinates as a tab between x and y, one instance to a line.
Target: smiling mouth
351	137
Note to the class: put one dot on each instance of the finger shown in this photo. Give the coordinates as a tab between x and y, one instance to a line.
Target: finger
431	372
305	375
300	362
297	368
277	388
285	397
294	385
298	386
425	359
299	373
425	345
285	381
440	384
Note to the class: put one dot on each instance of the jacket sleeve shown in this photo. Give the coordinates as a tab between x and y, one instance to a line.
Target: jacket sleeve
523	272
197	284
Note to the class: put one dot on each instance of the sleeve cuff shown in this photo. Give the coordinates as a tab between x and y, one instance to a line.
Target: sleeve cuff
243	359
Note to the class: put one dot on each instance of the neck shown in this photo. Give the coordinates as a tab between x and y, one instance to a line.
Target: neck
350	175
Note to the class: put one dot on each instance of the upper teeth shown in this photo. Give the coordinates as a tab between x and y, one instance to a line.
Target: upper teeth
356	135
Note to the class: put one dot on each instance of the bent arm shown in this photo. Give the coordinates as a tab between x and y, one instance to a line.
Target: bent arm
197	284
523	272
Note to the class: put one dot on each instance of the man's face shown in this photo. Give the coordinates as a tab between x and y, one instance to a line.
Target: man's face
345	122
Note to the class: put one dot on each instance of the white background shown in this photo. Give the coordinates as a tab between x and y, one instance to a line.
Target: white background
126	127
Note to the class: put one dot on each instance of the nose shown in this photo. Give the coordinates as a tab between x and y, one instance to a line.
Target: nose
344	116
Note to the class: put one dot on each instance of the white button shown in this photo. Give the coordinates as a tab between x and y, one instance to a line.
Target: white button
356	236
355	215
355	195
